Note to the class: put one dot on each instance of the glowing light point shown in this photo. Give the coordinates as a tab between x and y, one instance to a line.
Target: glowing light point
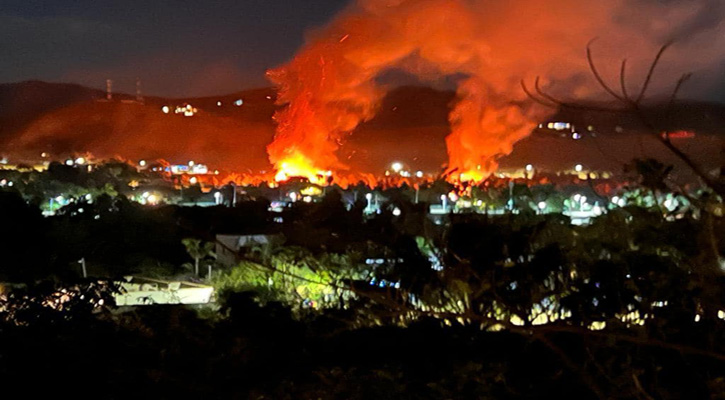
529	167
80	160
165	109
396	211
191	163
69	162
193	180
578	168
419	174
142	163
541	205
396	166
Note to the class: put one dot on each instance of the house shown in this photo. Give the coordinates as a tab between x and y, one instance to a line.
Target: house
230	247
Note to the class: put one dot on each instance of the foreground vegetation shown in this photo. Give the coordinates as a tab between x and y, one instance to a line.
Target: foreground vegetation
377	306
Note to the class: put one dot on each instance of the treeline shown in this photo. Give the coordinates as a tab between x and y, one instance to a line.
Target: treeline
396	306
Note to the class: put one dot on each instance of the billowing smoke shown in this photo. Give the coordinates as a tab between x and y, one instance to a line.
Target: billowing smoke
489	46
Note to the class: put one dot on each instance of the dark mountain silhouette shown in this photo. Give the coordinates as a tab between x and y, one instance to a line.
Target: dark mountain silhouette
410	126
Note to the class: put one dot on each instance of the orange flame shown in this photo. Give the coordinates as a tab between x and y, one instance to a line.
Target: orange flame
330	86
299	166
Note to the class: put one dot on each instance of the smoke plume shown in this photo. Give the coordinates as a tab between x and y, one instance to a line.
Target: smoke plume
331	85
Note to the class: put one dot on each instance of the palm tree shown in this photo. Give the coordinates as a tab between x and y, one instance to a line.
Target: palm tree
198	250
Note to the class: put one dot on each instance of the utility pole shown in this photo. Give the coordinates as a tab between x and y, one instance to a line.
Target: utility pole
82	262
109	89
139	96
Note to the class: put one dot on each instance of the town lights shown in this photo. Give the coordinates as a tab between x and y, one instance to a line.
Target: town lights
369	198
396	166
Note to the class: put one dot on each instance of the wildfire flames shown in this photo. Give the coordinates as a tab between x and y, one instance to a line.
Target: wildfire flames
299	166
331	86
335	83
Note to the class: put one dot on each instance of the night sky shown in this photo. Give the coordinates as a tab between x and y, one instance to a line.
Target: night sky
177	48
197	48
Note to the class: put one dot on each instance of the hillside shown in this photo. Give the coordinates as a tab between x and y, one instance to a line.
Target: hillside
411	127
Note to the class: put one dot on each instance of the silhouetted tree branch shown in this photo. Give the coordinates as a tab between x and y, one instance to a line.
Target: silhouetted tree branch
629	104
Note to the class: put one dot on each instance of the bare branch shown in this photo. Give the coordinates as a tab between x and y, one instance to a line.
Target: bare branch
545	95
639	387
552	102
598	77
651	72
679	84
536	99
622	80
576	369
